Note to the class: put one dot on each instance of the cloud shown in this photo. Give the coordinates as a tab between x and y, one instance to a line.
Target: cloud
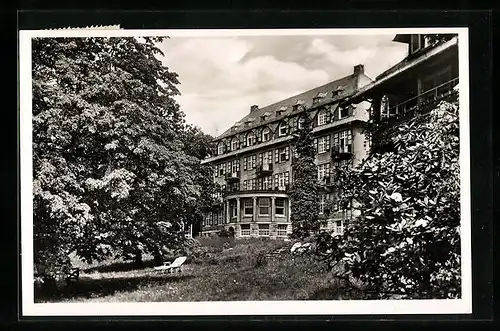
222	77
218	86
344	58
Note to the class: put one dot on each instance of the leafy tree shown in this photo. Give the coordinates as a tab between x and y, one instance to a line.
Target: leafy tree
304	195
111	174
200	145
406	239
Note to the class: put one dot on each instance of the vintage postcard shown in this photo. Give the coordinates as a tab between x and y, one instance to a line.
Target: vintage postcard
245	172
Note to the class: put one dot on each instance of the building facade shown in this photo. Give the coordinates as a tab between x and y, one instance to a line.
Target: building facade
253	159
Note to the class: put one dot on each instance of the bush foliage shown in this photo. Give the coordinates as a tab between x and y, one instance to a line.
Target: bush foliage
406	239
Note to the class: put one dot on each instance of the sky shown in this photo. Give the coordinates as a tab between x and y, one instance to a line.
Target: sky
221	77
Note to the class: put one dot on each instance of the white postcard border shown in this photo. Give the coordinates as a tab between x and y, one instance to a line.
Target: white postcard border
340	307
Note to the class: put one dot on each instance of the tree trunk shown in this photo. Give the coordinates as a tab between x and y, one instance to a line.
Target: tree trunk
158	259
138	259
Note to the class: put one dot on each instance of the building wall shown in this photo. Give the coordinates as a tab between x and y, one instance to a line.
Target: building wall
356	115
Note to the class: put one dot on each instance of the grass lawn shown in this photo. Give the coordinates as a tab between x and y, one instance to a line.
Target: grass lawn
236	274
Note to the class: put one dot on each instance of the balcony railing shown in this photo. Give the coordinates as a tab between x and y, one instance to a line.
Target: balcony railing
423	102
232	176
270	189
340	153
265	169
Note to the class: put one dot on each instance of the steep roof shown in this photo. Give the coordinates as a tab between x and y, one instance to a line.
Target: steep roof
345	87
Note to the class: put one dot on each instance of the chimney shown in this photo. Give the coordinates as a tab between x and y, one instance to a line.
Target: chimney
359	69
253	108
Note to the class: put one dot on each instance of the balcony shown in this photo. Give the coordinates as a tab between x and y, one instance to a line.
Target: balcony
264	170
284	188
232	177
423	102
329	180
340	153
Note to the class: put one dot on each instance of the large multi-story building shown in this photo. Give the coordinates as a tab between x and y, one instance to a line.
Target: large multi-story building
253	159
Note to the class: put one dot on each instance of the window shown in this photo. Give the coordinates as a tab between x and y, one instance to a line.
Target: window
250	139
266	134
264	206
279	208
248	207
220	148
263	118
234	187
249	184
323	144
245	230
235	166
266	157
384	107
253	161
281	179
343	112
300	123
323	171
233	209
282	230
343	140
323	200
245	163
234	144
263	229
267	183
322	118
282	154
283	129
339	227
222	168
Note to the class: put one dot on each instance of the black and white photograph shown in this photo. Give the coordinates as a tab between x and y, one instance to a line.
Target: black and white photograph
245	172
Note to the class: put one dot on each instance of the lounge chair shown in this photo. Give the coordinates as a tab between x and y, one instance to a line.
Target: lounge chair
171	267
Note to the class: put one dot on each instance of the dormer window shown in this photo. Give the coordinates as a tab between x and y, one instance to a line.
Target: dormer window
300	123
220	149
343	112
337	91
263	118
234	144
319	97
283	129
266	134
322	118
279	113
298	105
251	139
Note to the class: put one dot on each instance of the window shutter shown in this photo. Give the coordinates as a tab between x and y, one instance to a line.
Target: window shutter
245	163
287	152
316	144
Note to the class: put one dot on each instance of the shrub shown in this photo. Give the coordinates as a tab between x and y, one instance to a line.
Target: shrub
406	241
